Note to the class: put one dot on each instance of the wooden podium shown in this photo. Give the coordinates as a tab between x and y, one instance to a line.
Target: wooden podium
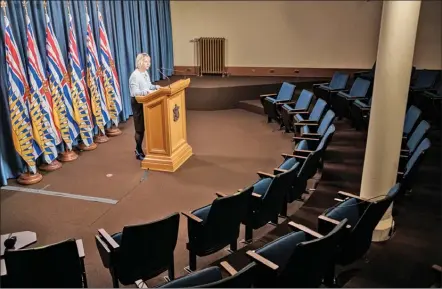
165	127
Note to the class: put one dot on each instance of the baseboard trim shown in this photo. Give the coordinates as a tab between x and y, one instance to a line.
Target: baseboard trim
272	71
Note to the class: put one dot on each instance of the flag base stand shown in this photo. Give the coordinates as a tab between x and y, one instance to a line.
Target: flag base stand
29	179
67	156
101	138
55	165
113	131
83	147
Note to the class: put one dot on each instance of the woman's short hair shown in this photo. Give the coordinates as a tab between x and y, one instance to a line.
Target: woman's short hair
140	58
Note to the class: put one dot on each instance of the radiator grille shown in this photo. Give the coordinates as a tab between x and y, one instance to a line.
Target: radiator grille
211	55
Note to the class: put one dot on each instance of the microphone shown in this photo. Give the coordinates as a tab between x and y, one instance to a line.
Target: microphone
164	75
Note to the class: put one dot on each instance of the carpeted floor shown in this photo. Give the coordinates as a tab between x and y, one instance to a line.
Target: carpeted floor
229	147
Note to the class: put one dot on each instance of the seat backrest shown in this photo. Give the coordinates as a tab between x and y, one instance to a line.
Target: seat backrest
286	91
426	78
304	100
55	265
146	250
439	89
226	214
413	163
418	135
276	193
360	87
411	117
242	279
363	217
302	259
326	121
338	81
326	139
318	110
310	261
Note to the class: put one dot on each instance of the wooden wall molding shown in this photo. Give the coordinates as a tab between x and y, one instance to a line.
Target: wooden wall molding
272	71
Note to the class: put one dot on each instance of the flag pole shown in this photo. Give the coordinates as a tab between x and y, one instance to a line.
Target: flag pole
55	164
68	155
26	178
113	130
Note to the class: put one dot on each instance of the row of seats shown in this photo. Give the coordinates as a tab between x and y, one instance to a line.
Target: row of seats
415	143
303	258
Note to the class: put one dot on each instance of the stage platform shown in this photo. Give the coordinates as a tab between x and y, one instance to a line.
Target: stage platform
218	93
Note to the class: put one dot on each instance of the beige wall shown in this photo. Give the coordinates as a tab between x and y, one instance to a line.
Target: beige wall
314	34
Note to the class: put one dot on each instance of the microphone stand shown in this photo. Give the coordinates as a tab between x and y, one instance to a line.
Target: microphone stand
165	76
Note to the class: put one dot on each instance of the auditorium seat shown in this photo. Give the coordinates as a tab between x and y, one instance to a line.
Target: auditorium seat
211	277
58	265
267	200
213	227
297	260
437	269
359	112
314	132
410	144
299	119
363	216
368	74
412	116
425	80
300	106
341	102
139	252
337	83
270	102
407	176
430	103
304	148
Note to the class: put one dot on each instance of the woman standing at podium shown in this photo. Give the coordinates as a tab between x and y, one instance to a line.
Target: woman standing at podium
140	84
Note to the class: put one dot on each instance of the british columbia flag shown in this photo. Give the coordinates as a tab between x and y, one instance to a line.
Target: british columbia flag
18	94
82	113
59	85
41	101
98	101
110	76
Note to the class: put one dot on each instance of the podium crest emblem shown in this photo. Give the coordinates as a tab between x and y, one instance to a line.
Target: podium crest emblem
176	113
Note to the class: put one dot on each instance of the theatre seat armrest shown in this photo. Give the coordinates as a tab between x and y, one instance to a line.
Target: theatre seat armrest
318	84
305	229
263	175
302	151
269	94
110	242
350	195
311	134
327	224
226	266
287	156
80	248
306	123
260	259
328	220
282	101
304	138
221	195
278	170
258	196
192	217
141	284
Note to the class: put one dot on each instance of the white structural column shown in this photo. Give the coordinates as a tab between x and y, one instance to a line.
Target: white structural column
390	92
